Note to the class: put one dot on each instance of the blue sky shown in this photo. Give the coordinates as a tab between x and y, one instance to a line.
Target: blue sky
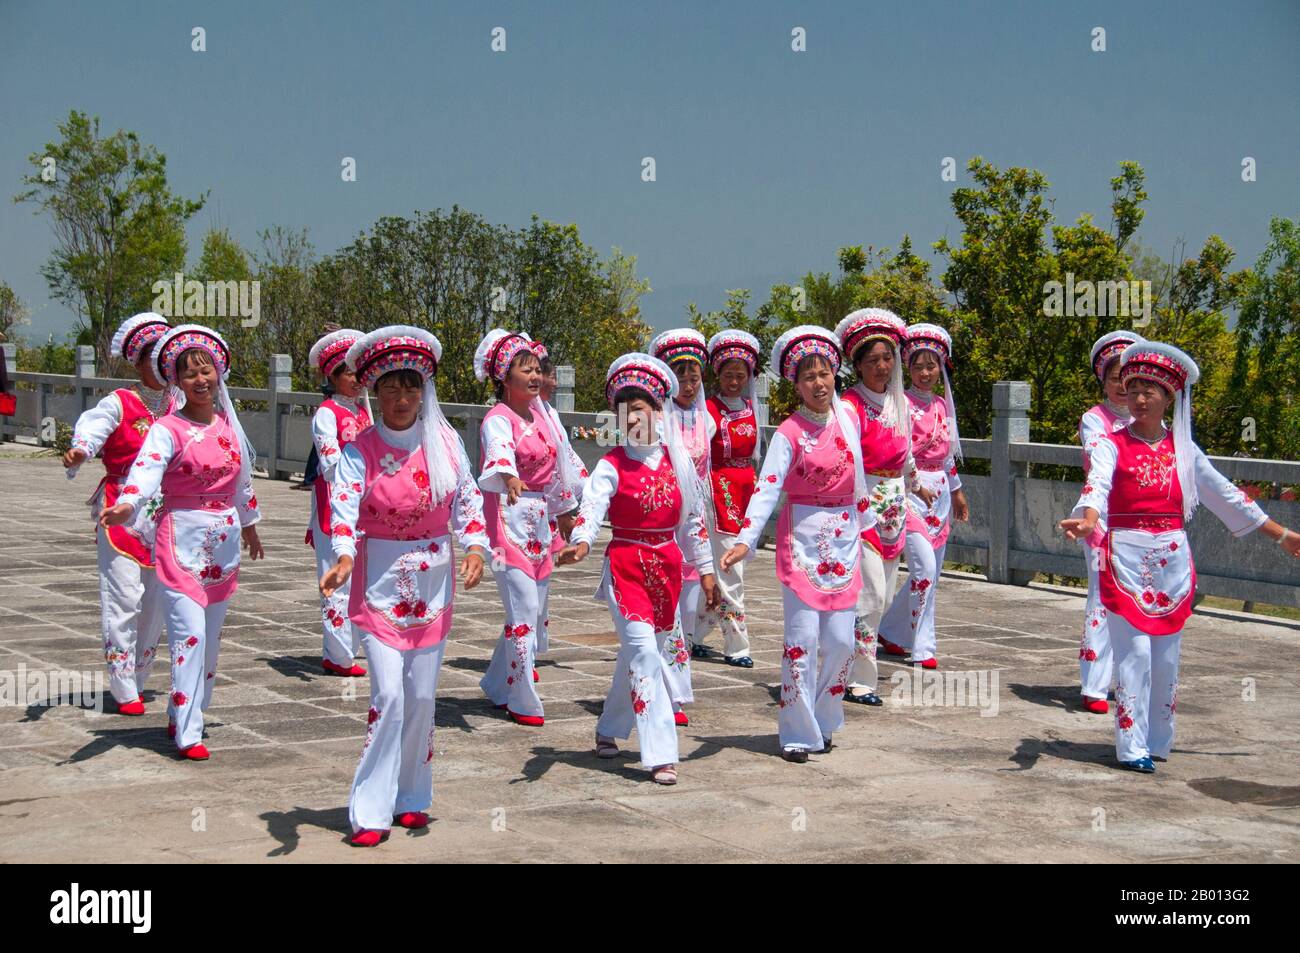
767	160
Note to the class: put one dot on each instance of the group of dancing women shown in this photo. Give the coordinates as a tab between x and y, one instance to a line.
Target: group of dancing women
857	475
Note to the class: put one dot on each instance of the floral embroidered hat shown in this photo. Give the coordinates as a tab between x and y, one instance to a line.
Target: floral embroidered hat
1162	363
394	348
136	334
734	345
928	337
799	342
182	338
641	370
1108	348
539	349
331	352
497	349
680	344
865	325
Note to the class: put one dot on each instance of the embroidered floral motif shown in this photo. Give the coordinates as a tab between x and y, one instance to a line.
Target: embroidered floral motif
1124	705
372	719
410	609
518	636
675	653
864	639
209	572
792	672
1153	469
640	691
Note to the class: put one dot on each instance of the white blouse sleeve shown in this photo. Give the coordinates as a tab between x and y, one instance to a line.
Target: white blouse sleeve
325	435
345	500
96	425
950	463
498	442
1101	474
596	494
1229	503
776	464
467	520
1092	431
146	474
246	503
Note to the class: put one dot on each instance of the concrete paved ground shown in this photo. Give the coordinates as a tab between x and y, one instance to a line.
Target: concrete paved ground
1033	782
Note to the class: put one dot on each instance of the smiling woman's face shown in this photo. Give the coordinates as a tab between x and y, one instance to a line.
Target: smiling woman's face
197	378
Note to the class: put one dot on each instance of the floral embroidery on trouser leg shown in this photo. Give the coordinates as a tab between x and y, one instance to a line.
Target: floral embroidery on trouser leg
192	636
509	678
1133	680
635	699
1095	655
676	658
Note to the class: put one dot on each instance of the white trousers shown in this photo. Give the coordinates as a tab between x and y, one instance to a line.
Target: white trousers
676	645
909	621
194	639
340	642
819	651
1095	656
878	577
638	696
131	619
509	678
1146	690
730	614
395	774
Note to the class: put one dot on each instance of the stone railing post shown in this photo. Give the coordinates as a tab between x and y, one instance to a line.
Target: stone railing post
762	390
279	379
1011	401
565	378
85	368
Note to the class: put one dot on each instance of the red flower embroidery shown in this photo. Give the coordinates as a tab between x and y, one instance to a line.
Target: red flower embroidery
192	641
474	526
1163	600
402	609
1148	597
130	488
771	478
179	699
341	530
372	716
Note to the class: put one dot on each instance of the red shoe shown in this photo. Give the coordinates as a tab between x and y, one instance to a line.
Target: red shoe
536	677
355	671
195	752
171	730
531	721
929	663
131	708
412	820
890	648
679	717
1097	706
368	838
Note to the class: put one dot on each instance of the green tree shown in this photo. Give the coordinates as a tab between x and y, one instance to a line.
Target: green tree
13	313
1267	365
117	225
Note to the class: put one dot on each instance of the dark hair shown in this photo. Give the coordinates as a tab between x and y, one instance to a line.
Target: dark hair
911	358
806	362
499	387
343	366
630	393
405	377
202	353
547	366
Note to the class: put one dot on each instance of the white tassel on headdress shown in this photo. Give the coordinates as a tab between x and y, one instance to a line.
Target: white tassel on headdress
249	453
954	438
1185	449
436	434
894	413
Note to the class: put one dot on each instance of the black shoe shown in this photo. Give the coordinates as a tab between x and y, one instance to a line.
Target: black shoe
741	661
699	651
795	755
870	698
826	746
